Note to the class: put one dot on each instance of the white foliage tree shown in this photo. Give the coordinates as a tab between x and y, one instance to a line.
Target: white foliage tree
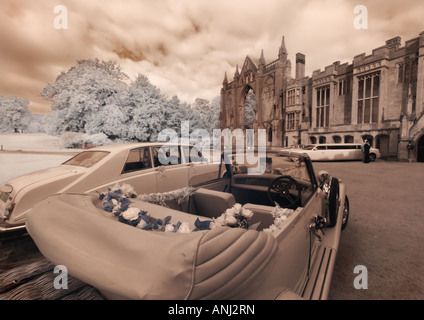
93	97
110	120
145	110
249	107
14	114
37	123
176	113
206	114
81	94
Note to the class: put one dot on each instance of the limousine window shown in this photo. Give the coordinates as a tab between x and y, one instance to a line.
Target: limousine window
333	147
342	147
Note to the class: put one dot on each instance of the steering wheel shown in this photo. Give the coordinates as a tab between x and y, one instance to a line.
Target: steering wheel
279	191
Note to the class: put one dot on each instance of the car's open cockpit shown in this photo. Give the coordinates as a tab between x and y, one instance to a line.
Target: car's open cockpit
283	180
277	179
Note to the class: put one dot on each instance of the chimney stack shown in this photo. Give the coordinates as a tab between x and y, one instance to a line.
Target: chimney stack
300	65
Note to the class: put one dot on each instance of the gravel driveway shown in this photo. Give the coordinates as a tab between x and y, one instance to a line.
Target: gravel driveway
385	230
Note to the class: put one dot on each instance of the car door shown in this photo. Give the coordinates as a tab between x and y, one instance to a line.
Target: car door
139	172
171	170
298	246
201	167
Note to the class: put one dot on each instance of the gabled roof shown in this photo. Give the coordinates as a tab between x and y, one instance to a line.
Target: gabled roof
249	65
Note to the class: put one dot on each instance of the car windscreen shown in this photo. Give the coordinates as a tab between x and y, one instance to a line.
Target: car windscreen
276	164
86	159
287	165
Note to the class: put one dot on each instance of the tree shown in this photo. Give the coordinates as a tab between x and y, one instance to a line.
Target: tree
206	114
93	97
37	123
15	115
249	107
214	113
79	95
145	110
176	113
110	120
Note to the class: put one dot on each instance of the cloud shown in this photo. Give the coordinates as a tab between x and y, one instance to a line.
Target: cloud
186	46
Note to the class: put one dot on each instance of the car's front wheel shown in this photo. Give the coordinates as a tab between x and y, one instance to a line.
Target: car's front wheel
345	217
372	157
333	202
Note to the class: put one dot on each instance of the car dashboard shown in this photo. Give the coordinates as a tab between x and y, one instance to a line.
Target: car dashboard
249	188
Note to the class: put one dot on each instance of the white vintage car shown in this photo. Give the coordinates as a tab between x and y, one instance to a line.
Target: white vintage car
273	234
146	166
336	152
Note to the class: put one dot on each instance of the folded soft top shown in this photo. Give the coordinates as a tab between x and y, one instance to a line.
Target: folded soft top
122	261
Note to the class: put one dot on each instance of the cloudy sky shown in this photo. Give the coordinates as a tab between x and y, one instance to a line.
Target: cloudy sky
186	46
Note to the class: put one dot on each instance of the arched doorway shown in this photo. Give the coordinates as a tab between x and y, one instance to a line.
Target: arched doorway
383	145
369	138
420	149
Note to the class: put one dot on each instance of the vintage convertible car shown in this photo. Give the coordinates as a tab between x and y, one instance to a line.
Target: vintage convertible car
266	235
138	164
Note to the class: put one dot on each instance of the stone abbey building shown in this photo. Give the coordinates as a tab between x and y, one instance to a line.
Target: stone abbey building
379	97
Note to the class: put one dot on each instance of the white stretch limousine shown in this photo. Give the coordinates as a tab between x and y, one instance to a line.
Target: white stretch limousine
337	151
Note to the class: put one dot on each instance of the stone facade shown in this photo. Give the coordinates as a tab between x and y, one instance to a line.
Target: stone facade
379	97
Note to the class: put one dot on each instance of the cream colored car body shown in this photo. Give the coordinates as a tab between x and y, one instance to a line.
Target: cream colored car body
20	194
293	260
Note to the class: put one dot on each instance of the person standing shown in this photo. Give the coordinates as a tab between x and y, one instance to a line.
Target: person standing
366	151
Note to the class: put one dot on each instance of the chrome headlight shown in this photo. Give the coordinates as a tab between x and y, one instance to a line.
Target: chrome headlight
6	204
5	192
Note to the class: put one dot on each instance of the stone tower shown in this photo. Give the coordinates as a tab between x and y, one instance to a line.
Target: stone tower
267	82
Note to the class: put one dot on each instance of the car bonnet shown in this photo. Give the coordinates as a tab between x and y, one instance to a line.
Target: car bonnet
26	180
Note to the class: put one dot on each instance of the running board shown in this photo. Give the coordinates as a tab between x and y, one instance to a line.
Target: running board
318	285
